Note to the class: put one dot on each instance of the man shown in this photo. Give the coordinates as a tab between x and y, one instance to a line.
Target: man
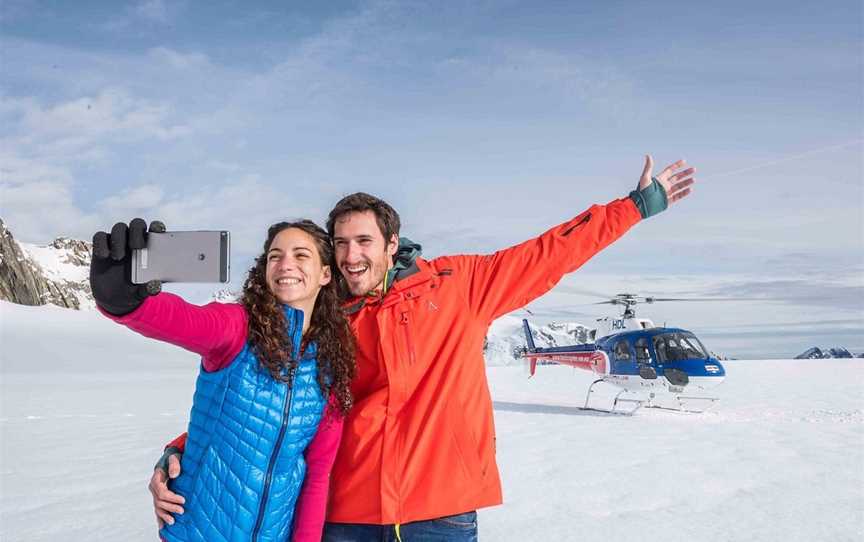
417	457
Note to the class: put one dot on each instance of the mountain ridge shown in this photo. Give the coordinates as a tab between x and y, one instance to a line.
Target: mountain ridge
55	274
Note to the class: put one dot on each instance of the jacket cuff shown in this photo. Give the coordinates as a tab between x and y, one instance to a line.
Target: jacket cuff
651	199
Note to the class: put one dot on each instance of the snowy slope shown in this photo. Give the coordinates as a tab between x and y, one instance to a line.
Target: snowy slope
86	405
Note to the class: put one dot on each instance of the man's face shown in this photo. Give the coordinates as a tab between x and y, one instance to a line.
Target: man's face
362	254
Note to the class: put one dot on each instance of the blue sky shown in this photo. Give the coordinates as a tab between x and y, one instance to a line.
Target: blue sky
483	123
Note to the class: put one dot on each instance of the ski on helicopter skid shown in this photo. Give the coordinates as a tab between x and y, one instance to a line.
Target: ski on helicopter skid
642	361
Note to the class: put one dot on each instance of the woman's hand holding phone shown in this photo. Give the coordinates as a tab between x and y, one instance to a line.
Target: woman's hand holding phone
110	268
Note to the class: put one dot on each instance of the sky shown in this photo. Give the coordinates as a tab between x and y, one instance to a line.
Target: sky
482	123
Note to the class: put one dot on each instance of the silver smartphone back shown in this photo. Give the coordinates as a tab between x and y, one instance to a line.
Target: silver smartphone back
183	256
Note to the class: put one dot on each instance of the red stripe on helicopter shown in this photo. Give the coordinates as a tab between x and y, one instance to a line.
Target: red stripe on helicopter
590	361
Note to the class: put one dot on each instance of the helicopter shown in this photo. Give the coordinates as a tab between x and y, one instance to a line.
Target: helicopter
638	358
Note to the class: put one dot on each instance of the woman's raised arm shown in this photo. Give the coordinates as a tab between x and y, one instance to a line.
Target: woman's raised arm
217	332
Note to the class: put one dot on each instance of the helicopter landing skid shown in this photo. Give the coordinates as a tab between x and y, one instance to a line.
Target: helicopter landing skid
618	399
682	399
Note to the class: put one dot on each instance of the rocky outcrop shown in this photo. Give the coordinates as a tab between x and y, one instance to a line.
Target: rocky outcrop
838	352
39	275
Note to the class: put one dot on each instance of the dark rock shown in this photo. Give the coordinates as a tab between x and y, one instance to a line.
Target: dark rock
23	281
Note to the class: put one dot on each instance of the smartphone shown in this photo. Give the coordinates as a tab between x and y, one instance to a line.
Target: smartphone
183	256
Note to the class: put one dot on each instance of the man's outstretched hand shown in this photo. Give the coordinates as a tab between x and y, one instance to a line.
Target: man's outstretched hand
165	501
655	194
676	183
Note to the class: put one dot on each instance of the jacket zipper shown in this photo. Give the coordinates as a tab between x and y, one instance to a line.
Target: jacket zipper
404	321
584	220
286	417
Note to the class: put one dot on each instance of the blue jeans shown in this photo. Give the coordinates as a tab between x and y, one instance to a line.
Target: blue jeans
458	528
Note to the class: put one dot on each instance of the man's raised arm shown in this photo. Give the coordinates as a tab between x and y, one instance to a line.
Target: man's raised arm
511	278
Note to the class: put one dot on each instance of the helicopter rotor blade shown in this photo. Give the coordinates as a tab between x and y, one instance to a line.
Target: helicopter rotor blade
572	290
655	299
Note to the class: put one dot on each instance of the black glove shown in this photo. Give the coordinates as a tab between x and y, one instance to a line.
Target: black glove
111	267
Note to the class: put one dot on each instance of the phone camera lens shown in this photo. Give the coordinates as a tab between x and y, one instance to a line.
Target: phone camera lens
201	257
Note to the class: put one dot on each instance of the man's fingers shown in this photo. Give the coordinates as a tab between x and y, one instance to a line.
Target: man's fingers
165	506
164	517
159	478
682	175
678	196
118	241
165	501
162	493
100	245
173	466
159	488
670	169
677	187
649	165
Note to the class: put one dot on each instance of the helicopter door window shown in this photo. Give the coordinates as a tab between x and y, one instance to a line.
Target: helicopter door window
674	350
660	348
622	351
643	355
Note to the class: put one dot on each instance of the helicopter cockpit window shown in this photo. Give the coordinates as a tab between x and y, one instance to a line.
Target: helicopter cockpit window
678	347
643	355
692	347
622	351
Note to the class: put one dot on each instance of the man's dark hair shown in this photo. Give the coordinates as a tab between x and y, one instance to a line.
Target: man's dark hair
386	217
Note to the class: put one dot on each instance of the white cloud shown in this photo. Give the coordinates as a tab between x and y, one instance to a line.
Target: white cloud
152	10
39	211
112	112
139	18
16	170
178	60
245	206
133	201
50	148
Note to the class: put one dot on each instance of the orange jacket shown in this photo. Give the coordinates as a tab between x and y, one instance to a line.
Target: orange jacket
420	440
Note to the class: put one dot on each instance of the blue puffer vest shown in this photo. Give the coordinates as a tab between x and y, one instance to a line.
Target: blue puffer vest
243	466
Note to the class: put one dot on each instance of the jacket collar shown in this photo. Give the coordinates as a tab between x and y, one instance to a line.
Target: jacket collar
403	263
294	323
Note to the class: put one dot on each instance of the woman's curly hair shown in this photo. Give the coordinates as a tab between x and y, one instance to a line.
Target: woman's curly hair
329	328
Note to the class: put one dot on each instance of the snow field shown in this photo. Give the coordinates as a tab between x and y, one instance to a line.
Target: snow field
786	465
86	406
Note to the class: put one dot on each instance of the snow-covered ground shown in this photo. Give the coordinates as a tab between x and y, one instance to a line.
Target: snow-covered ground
86	405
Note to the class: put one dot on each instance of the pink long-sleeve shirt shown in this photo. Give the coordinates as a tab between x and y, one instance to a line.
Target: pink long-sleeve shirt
217	332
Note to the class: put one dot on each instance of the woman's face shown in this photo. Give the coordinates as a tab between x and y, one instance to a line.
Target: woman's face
295	272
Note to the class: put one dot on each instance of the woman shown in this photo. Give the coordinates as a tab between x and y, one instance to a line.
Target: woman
272	391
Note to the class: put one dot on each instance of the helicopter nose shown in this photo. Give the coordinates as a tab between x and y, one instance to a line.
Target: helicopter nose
714	368
714	375
700	373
